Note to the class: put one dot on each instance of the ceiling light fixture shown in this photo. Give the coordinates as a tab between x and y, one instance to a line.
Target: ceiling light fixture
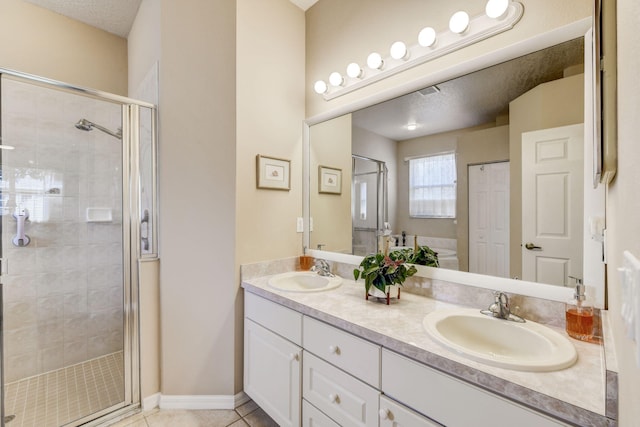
459	22
412	126
463	31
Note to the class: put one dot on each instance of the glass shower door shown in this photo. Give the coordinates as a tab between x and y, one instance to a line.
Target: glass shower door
62	247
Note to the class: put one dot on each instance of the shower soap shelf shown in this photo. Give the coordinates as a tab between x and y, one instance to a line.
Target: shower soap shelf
99	215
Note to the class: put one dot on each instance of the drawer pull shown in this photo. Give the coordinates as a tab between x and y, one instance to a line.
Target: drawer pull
333	398
384	413
334	349
294	357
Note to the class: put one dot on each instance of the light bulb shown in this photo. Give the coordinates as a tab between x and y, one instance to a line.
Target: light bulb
354	71
320	87
427	37
374	61
336	79
496	9
399	51
459	22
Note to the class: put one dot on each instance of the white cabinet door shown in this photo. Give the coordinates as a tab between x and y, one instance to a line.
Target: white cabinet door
393	414
272	373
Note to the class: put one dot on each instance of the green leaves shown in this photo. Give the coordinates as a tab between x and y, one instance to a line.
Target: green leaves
381	270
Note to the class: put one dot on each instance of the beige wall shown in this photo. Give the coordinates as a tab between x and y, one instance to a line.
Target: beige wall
549	105
270	111
144	42
623	203
340	32
44	43
197	169
331	146
481	146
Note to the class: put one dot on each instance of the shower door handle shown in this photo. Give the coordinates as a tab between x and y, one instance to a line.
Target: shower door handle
21	215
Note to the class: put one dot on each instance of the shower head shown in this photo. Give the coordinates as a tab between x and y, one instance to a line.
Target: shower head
84	124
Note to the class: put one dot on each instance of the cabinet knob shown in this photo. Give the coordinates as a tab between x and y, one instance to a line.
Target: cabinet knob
333	398
294	357
384	413
334	349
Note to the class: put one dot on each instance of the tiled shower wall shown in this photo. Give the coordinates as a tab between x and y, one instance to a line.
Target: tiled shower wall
63	292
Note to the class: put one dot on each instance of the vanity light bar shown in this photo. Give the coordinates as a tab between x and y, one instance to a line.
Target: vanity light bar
431	45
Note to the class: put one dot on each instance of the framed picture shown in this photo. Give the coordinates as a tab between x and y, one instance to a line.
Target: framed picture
272	173
329	180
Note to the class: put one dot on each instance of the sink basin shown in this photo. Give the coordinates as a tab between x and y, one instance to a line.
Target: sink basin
525	346
304	281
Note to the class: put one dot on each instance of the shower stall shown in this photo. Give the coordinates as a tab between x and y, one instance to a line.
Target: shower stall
369	203
76	220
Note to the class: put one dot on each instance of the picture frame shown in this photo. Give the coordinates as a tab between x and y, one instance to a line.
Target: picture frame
329	180
273	173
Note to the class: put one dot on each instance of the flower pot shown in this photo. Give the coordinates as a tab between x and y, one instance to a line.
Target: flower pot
386	296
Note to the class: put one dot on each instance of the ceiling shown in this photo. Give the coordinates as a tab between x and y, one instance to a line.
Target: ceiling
113	16
470	100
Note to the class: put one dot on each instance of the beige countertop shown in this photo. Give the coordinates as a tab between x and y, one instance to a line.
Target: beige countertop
576	394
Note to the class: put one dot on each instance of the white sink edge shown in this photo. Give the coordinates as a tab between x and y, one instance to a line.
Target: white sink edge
541	365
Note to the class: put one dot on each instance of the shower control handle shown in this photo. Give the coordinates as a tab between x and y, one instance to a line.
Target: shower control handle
21	215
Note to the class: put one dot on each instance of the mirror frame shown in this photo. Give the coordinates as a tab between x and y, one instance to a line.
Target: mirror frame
535	43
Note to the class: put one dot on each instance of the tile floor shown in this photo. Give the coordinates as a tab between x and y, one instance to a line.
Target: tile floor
58	397
247	415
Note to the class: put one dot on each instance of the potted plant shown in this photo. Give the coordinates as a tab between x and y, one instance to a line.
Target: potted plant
381	271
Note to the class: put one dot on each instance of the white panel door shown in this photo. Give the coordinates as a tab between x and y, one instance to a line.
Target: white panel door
552	200
489	219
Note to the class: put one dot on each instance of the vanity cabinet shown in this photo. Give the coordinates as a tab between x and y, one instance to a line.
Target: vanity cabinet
273	359
302	371
450	401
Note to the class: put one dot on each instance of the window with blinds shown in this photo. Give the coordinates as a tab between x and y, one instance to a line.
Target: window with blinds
432	186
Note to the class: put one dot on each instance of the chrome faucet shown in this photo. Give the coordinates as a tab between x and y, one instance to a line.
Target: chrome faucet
322	267
501	309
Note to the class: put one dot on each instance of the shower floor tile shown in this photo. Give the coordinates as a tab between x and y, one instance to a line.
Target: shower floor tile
58	397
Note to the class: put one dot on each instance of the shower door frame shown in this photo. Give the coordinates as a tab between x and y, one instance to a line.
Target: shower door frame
131	234
382	197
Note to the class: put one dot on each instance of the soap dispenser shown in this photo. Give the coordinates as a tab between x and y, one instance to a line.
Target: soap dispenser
579	314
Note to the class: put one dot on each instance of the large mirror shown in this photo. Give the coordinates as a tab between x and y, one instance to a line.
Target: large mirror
491	169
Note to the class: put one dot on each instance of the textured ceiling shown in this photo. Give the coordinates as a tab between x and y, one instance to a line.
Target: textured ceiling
470	100
114	16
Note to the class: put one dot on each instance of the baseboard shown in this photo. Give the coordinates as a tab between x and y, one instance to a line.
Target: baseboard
151	402
197	402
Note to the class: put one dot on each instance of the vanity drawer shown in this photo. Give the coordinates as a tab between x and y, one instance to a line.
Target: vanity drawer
275	317
393	414
346	400
348	352
312	417
449	401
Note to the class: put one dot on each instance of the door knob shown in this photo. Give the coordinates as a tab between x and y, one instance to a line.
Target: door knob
532	247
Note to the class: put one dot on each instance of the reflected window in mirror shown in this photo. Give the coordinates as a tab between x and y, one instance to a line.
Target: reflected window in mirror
432	186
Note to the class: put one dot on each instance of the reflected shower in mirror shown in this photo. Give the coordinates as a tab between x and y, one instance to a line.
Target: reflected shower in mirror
517	182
